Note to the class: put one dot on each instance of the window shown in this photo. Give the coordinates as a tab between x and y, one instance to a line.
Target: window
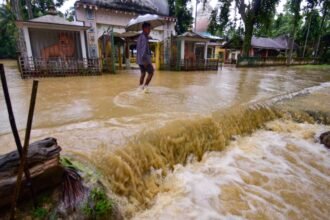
90	14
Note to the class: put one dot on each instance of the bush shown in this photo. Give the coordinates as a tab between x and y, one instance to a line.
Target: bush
98	204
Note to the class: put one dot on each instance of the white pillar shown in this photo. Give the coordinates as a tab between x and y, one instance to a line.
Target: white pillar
83	44
27	41
205	50
182	49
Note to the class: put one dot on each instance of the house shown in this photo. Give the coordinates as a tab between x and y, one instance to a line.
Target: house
260	47
51	45
214	50
194	51
113	15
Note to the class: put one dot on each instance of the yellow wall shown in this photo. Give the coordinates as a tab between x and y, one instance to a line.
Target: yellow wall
218	50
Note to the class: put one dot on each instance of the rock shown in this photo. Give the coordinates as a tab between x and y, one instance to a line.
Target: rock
325	139
43	163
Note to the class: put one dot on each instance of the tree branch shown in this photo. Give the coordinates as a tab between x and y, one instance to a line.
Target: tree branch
241	6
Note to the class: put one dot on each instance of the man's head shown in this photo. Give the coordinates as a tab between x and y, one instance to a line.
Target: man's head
146	28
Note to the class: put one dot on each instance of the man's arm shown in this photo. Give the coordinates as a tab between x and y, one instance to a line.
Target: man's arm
143	48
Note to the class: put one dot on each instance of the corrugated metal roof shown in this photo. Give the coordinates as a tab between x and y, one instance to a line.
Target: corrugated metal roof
55	19
140	6
210	36
268	43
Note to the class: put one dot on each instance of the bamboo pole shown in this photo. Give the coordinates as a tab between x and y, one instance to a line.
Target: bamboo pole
14	128
22	165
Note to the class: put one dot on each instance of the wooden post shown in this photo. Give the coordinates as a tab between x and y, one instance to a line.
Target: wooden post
127	61
120	62
157	55
113	68
13	125
25	149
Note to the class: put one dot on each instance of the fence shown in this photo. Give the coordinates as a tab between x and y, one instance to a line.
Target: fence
191	65
39	67
273	61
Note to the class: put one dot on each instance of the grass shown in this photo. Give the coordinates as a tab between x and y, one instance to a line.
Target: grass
318	66
40	213
98	204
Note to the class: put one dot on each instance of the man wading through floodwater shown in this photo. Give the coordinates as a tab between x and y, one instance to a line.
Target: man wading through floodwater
144	57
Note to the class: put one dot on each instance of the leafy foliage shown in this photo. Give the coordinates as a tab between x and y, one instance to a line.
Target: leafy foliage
98	204
183	13
8	16
7	32
213	25
40	213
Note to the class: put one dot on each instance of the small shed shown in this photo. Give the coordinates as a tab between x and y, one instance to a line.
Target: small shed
190	52
54	46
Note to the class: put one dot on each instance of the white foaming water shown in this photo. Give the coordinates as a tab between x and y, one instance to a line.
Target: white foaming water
291	95
278	173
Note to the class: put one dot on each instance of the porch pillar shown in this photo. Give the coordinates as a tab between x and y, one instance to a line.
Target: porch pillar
83	48
27	41
251	52
157	55
127	61
182	49
119	57
83	44
205	50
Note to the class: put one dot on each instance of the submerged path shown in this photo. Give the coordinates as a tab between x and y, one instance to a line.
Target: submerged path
103	109
139	142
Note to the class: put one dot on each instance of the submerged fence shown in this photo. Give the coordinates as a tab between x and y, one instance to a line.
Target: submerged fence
191	65
40	67
273	61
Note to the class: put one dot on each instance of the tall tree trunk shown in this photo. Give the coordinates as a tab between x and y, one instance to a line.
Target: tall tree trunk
247	36
320	32
309	25
16	9
293	35
29	8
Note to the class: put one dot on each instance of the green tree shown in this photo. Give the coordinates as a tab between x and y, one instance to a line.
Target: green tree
325	8
7	32
183	13
14	10
253	13
219	19
213	27
294	7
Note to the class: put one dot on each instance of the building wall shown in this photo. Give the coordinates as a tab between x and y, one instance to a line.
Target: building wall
101	19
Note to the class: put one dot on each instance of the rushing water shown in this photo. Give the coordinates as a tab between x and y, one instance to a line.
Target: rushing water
140	142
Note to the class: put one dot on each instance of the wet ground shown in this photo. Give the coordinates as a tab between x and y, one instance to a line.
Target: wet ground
279	172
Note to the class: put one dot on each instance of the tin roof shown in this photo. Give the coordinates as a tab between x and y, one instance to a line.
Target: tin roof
159	7
268	43
278	43
53	22
56	19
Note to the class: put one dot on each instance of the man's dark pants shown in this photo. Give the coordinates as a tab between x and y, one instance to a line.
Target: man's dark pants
146	69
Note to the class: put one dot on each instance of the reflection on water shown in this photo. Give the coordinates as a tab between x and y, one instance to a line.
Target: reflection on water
135	139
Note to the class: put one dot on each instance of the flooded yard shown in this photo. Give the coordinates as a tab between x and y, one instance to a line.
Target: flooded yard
277	172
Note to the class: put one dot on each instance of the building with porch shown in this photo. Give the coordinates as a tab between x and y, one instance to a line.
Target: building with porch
260	47
50	45
194	51
111	17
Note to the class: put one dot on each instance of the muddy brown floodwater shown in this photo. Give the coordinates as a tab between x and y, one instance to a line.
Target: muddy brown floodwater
277	172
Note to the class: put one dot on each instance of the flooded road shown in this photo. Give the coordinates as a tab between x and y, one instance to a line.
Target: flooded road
93	110
140	141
